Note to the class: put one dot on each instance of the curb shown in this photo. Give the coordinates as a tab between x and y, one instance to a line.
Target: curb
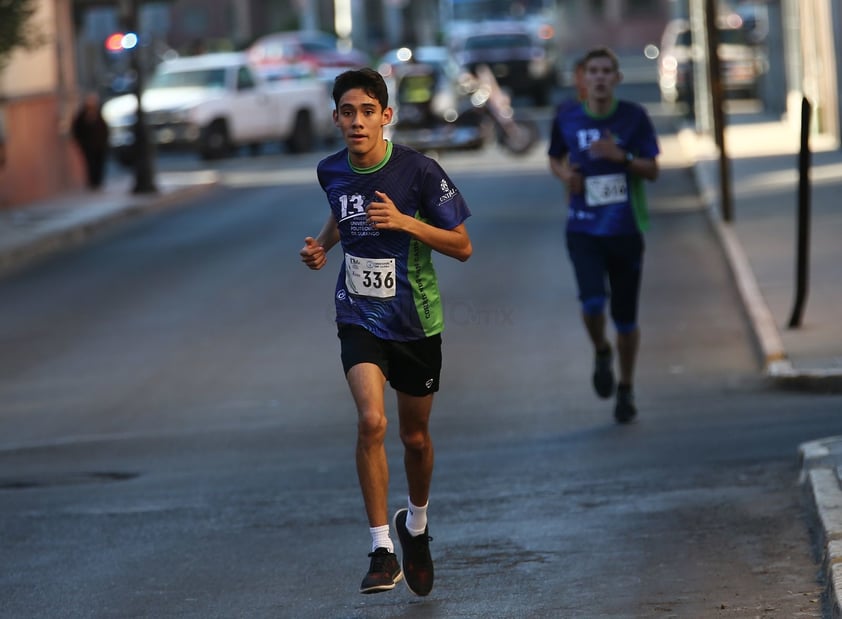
821	479
777	366
819	476
64	235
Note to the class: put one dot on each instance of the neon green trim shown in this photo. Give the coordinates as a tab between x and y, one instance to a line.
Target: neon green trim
637	197
613	109
376	166
425	288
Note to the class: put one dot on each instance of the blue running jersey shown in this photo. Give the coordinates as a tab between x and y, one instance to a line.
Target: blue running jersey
614	202
387	283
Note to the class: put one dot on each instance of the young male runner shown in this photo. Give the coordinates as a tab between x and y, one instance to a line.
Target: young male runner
390	208
602	150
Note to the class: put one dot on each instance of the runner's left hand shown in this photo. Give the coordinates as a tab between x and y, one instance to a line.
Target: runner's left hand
383	214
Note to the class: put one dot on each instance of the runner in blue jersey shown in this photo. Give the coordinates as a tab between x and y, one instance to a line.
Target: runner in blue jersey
391	207
603	150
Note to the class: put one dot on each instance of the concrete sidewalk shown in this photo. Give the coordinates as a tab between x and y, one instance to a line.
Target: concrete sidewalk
37	229
760	244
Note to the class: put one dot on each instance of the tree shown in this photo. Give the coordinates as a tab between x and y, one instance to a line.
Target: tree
16	28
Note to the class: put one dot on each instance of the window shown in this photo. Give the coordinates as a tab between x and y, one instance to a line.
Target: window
245	81
207	78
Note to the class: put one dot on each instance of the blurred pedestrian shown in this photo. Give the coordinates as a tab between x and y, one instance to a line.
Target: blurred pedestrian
602	150
91	134
391	207
579	79
581	91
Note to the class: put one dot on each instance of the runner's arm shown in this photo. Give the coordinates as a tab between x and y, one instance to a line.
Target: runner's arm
645	167
454	243
314	252
567	173
384	215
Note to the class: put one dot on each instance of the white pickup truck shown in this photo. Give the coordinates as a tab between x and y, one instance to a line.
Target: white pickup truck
217	102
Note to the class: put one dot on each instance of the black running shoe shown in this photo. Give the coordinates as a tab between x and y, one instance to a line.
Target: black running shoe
383	572
416	559
603	374
625	410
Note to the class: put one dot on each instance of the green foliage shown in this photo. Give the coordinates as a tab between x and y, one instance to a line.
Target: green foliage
16	29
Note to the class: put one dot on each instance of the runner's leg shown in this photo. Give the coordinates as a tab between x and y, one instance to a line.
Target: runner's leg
414	416
367	383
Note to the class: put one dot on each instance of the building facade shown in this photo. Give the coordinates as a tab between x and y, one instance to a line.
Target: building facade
38	100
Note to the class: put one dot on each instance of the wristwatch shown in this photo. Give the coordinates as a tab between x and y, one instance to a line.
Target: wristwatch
628	158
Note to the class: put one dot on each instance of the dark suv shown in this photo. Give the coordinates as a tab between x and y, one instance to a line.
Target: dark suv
521	65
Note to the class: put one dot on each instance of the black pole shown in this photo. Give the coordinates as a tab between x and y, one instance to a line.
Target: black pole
144	171
802	260
717	102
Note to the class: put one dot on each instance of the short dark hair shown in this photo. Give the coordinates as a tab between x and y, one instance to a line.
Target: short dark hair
369	80
602	52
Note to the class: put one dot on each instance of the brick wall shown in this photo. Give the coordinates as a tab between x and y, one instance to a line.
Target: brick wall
40	158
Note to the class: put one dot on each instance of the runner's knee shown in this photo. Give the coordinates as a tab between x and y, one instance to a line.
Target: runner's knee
594	306
624	328
415	440
371	427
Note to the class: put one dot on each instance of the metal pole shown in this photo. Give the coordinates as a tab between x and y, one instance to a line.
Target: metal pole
144	171
717	101
803	233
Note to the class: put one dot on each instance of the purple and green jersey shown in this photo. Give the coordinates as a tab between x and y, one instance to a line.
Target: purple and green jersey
613	201
387	283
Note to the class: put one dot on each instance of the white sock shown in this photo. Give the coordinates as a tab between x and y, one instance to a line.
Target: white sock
380	538
416	519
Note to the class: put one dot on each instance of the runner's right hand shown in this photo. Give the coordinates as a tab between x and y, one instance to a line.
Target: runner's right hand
313	254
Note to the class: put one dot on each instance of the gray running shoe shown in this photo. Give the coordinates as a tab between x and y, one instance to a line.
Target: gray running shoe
383	572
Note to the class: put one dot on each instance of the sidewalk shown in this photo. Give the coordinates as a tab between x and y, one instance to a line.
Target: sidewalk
760	245
37	229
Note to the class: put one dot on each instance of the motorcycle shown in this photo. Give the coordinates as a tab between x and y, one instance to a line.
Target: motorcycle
518	135
436	111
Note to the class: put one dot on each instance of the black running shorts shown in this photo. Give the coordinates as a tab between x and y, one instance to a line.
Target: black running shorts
412	367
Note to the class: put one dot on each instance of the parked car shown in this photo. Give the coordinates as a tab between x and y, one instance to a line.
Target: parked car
521	64
215	102
323	53
742	63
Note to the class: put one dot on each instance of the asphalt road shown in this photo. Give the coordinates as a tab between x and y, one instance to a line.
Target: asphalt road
177	438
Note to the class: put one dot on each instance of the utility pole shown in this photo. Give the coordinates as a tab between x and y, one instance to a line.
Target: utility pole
144	170
717	102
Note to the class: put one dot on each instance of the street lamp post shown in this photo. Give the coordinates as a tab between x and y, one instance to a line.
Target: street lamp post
143	167
717	99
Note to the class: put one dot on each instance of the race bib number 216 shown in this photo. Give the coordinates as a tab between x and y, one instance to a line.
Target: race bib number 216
606	189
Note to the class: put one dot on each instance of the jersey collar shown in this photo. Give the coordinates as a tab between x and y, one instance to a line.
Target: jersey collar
376	166
610	111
